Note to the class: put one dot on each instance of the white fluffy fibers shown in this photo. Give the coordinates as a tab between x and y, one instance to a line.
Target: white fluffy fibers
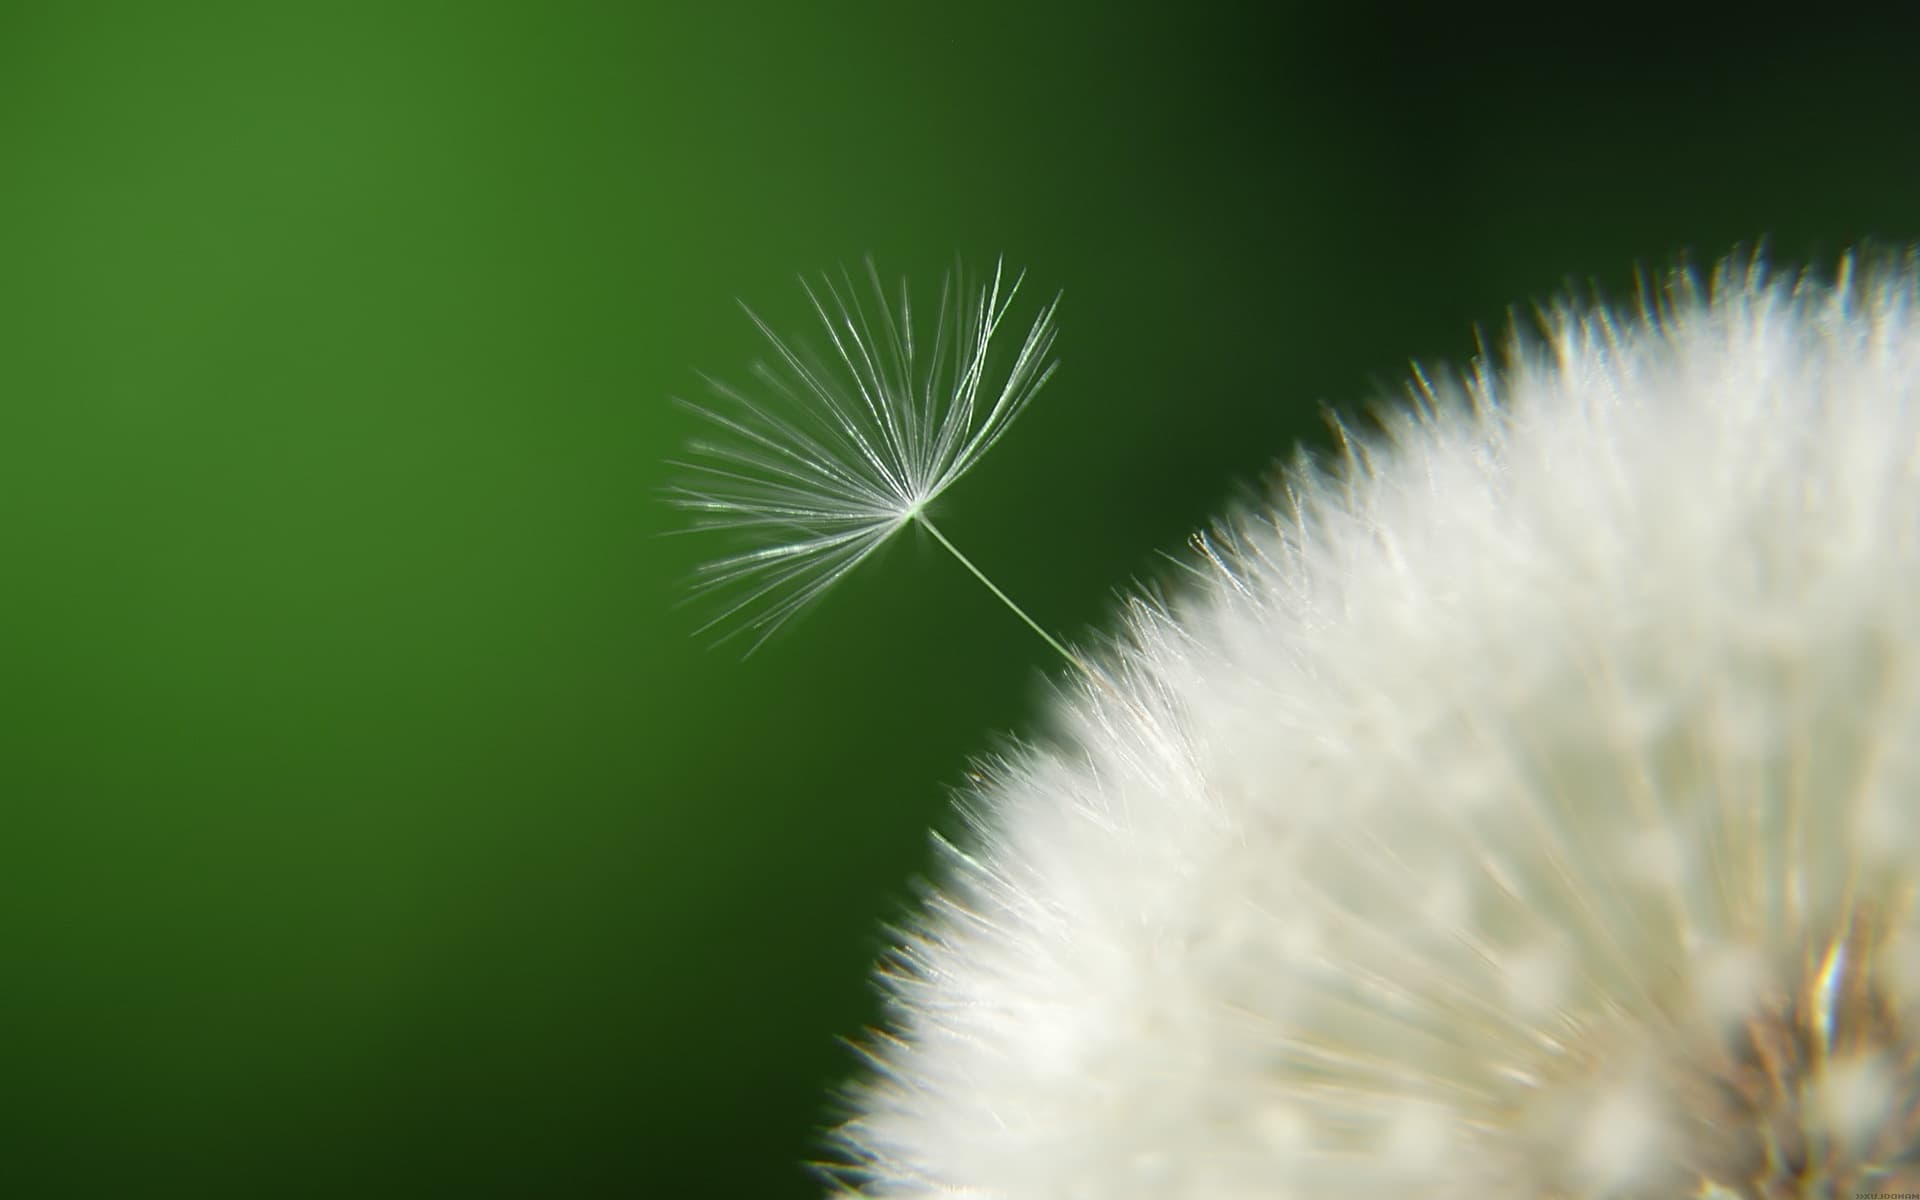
1528	806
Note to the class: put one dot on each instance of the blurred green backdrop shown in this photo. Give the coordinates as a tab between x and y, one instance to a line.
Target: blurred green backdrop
372	822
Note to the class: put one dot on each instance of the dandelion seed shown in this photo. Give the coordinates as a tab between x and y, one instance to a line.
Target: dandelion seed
838	452
1524	807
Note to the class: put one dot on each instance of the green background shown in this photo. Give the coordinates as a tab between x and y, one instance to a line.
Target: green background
371	821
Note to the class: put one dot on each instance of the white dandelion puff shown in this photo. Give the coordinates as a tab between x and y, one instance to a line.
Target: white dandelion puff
836	452
1526	806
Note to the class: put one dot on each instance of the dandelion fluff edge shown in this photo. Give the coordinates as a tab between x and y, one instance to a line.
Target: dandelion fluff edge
1523	806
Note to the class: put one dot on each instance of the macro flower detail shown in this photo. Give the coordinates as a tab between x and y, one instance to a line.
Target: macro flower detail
836	452
1526	804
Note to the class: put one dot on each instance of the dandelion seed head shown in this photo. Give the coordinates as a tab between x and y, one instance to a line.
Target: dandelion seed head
1522	806
837	446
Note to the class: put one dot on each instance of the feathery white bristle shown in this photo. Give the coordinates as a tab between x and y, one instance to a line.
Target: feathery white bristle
830	456
1524	807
